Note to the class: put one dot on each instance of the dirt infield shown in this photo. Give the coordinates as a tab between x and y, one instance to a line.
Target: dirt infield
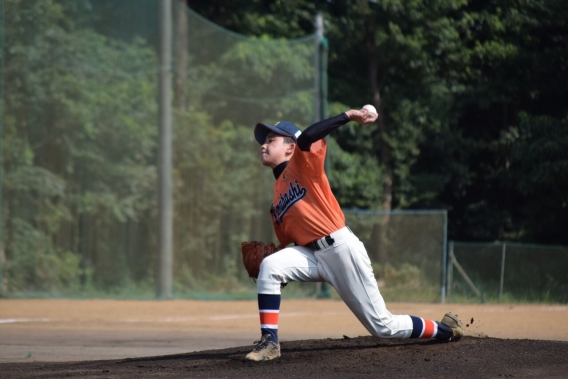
209	339
345	358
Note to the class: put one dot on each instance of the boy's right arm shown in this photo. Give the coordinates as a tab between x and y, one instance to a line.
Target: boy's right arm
362	116
320	129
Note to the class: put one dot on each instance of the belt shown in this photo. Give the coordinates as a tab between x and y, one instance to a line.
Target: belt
328	241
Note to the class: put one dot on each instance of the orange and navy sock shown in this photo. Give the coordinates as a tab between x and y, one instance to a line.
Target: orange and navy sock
269	308
424	328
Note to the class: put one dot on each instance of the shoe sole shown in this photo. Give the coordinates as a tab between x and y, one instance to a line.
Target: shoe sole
263	359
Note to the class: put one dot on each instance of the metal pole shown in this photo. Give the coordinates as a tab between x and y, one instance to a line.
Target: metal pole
450	265
323	51
321	79
444	258
165	158
503	250
467	278
2	256
319	107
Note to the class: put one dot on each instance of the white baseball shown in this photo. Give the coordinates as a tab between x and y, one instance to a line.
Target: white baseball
370	109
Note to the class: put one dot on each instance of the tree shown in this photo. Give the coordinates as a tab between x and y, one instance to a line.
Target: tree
79	148
512	57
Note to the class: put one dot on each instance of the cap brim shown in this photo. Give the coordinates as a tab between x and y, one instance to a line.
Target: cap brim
261	130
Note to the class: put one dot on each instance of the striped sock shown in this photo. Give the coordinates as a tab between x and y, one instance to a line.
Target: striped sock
424	328
269	308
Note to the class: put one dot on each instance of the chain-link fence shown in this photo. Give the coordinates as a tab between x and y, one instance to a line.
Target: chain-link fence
79	150
407	251
507	272
80	154
80	145
79	163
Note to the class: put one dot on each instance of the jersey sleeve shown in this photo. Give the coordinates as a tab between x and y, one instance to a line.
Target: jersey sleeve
311	162
320	129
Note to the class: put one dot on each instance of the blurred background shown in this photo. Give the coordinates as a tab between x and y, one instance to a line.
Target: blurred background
459	191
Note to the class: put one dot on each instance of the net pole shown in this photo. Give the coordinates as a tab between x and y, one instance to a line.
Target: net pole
320	98
165	154
318	63
2	256
444	259
450	267
502	276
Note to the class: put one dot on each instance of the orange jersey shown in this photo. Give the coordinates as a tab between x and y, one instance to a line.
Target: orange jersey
304	209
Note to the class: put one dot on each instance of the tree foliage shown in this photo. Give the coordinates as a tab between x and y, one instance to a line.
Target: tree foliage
80	151
457	80
79	147
473	98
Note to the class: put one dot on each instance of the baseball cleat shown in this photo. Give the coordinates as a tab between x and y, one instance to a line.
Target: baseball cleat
452	321
264	350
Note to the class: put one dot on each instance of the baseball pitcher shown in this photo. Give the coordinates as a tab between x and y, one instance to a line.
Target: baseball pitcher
315	243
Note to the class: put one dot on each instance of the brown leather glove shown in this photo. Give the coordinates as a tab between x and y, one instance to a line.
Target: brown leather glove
253	253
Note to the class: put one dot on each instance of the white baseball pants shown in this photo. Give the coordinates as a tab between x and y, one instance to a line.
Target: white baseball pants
347	267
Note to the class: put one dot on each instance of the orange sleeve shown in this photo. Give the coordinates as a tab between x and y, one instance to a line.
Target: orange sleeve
313	161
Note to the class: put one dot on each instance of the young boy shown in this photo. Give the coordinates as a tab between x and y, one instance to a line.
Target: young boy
305	212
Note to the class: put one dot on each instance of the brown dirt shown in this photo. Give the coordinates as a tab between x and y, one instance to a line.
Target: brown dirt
334	358
59	338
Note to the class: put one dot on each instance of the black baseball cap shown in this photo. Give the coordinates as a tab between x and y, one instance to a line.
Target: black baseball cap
284	128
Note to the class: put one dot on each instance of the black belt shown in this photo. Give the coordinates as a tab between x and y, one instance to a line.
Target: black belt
315	246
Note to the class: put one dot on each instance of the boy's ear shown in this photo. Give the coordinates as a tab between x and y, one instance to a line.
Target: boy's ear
291	148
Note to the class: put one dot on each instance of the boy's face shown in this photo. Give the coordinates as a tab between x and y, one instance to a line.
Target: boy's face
275	151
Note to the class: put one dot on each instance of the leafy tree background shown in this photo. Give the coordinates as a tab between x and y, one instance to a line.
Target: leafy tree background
472	96
80	148
71	183
461	83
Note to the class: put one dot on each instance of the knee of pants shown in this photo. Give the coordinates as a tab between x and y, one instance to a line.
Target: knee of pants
269	278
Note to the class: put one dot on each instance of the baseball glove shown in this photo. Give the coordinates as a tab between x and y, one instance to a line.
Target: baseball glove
253	254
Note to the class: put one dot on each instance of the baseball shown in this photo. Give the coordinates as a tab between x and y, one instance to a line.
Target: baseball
370	109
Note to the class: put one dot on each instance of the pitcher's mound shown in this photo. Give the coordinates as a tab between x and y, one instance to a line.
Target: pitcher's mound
333	358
